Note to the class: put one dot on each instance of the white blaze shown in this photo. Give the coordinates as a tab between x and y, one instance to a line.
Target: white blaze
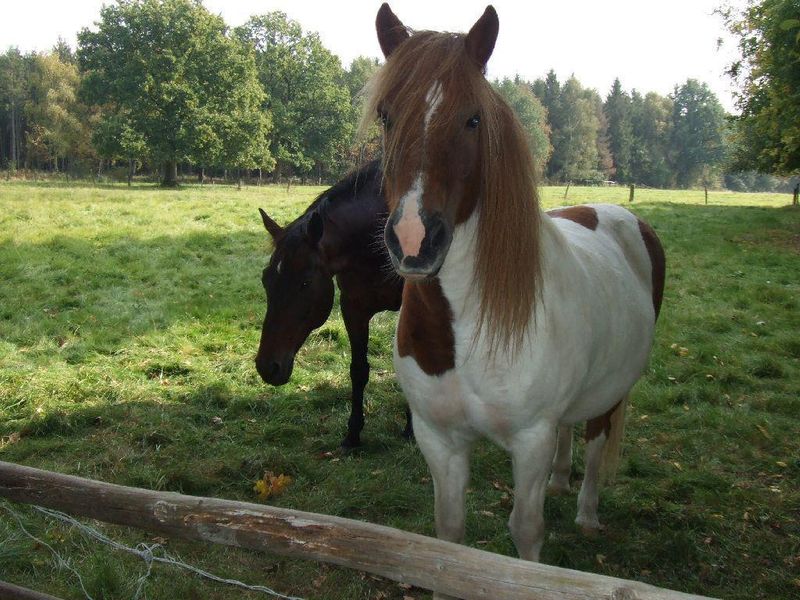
434	99
409	228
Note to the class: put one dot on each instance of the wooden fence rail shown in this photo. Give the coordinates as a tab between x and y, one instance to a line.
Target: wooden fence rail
410	558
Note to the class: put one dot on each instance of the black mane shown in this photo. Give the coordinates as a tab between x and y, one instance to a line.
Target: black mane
348	189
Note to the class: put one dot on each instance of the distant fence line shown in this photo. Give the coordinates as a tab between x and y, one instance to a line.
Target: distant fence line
410	558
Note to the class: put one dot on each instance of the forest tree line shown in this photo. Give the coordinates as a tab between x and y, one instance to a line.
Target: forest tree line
165	87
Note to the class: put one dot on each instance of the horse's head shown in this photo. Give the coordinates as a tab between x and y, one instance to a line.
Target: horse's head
434	102
299	292
454	150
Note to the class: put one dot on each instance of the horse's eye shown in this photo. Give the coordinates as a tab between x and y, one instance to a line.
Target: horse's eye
472	122
305	284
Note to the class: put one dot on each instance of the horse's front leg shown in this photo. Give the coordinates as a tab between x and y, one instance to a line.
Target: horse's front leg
532	453
448	460
357	324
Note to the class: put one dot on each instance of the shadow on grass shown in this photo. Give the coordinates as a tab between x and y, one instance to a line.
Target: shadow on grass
109	291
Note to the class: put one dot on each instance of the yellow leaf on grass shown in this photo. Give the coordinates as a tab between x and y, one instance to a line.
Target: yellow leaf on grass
271	485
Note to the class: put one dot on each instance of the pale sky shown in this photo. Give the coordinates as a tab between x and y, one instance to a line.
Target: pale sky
651	45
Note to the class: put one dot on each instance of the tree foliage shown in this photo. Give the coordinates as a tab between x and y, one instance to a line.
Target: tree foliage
311	106
577	130
167	71
651	150
532	115
698	134
617	109
768	75
58	122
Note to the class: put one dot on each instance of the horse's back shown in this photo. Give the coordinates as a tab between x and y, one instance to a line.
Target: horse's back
609	237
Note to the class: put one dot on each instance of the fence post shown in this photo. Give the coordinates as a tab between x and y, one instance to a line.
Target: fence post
705	187
630	196
567	190
796	197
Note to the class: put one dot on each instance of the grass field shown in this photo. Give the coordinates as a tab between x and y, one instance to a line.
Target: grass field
128	323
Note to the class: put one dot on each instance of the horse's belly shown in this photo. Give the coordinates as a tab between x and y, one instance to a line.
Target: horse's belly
466	400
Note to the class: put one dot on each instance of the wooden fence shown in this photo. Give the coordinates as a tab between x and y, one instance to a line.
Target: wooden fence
410	558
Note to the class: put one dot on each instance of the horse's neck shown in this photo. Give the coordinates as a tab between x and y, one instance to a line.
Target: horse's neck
351	238
457	275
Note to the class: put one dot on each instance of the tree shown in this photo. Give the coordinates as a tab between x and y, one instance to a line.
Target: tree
698	133
57	121
768	74
168	71
617	110
360	71
13	85
311	106
575	128
605	159
532	115
365	145
115	138
651	125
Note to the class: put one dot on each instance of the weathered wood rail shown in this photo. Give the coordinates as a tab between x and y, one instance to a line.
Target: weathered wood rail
410	558
9	591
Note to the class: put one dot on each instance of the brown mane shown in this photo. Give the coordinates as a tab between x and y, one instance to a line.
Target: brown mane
507	266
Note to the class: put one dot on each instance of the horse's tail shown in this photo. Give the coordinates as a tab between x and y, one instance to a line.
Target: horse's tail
612	451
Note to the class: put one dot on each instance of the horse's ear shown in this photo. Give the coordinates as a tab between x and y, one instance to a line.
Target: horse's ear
391	31
314	228
481	38
271	226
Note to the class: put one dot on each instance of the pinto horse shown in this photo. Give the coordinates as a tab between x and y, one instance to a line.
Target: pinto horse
338	236
515	323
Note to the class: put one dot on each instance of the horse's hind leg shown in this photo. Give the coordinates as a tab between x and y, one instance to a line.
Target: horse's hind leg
531	454
562	463
603	439
357	324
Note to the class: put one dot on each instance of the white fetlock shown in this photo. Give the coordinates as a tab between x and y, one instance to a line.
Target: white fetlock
589	525
558	485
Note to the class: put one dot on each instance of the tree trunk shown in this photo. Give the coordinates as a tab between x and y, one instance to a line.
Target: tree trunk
201	175
239	178
14	157
131	167
259	176
796	195
170	174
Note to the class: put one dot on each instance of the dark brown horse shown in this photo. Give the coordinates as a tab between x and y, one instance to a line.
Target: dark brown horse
340	235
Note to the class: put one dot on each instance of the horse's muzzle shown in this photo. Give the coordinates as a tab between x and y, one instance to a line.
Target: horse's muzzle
432	250
275	371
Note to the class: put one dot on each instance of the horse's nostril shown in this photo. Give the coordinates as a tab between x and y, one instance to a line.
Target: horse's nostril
439	234
273	369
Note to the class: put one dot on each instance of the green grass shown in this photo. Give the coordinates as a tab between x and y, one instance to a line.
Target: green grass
129	319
